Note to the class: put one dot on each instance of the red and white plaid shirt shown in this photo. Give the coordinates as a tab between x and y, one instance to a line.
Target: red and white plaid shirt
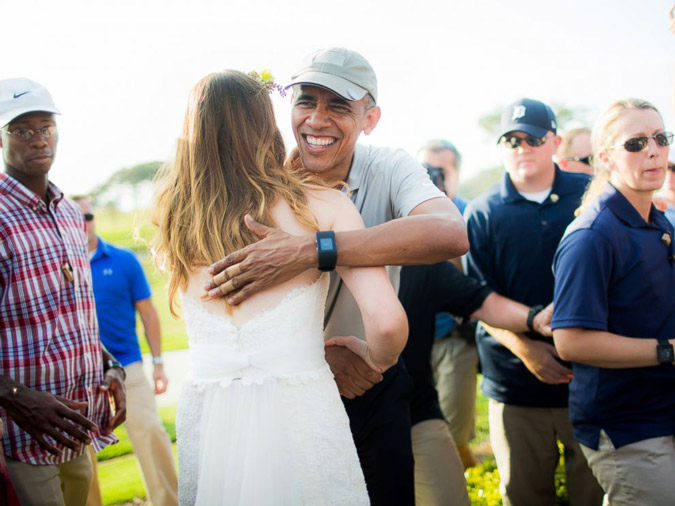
49	337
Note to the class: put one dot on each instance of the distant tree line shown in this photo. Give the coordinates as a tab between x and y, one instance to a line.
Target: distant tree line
125	180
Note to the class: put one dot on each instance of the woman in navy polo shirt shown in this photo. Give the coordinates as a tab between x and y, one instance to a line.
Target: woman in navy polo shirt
614	312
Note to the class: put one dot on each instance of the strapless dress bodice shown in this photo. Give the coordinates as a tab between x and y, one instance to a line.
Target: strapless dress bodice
282	342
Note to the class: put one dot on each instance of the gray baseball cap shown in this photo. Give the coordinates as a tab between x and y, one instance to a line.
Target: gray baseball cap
20	95
339	70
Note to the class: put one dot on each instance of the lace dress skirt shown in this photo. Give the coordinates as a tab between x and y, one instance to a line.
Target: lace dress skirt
278	442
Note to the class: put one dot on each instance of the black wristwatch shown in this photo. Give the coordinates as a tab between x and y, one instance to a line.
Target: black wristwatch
664	352
110	363
326	247
534	311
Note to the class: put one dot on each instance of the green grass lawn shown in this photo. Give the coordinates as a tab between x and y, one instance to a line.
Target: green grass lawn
119	474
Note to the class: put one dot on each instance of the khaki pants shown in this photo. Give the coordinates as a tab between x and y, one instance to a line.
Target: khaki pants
439	475
524	442
638	473
64	484
150	441
454	362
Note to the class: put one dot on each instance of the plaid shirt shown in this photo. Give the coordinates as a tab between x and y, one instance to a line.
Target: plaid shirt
48	330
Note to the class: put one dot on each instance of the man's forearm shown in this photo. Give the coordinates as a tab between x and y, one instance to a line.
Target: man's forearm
498	311
515	342
150	321
413	240
107	356
7	388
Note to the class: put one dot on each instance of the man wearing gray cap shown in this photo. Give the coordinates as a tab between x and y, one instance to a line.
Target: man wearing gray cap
55	376
409	221
514	229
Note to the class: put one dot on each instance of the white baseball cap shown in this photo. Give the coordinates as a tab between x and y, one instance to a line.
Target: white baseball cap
339	70
20	95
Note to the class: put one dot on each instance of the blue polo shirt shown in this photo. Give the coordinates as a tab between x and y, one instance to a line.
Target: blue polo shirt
615	272
513	241
119	282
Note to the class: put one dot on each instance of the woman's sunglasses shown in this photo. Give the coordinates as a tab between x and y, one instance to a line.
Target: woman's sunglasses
637	144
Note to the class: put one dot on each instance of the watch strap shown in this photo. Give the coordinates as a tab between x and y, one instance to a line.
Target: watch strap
112	363
534	311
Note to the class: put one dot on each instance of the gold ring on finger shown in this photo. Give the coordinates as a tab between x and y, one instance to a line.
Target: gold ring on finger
226	288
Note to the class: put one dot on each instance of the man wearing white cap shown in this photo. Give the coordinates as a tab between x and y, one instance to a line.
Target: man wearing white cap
55	376
409	222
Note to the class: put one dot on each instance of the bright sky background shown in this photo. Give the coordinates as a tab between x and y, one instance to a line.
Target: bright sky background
121	71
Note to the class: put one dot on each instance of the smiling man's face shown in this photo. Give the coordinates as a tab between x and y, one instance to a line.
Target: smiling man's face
326	128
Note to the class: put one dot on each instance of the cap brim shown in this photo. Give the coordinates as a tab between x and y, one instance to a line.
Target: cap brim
346	89
523	127
7	117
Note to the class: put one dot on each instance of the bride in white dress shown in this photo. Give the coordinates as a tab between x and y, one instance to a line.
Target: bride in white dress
260	421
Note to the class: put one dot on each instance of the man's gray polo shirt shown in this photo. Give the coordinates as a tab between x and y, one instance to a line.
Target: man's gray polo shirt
384	184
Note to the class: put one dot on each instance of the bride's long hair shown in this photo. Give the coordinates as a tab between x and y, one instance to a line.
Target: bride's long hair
229	162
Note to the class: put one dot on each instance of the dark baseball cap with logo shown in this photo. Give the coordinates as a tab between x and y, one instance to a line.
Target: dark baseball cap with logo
20	96
530	116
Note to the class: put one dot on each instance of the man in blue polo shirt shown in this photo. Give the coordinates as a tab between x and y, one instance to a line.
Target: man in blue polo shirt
121	289
514	229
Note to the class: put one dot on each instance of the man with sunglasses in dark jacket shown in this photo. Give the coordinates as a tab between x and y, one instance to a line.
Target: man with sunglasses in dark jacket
574	152
514	229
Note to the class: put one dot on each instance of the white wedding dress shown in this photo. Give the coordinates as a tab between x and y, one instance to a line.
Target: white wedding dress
259	420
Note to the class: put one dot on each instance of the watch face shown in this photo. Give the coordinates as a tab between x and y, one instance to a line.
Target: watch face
664	354
326	244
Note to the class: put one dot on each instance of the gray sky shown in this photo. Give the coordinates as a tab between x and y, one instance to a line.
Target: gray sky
121	71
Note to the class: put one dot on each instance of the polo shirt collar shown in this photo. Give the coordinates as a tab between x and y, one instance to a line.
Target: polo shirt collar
10	186
625	211
562	185
101	249
357	168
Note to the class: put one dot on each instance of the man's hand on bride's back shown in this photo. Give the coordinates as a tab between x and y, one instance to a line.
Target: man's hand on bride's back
276	258
352	375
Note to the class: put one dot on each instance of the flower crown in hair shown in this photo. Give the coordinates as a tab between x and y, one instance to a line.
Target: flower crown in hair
267	80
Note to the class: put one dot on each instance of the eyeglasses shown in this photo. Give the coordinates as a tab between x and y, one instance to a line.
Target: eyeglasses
26	134
514	142
88	217
671	167
637	144
582	159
